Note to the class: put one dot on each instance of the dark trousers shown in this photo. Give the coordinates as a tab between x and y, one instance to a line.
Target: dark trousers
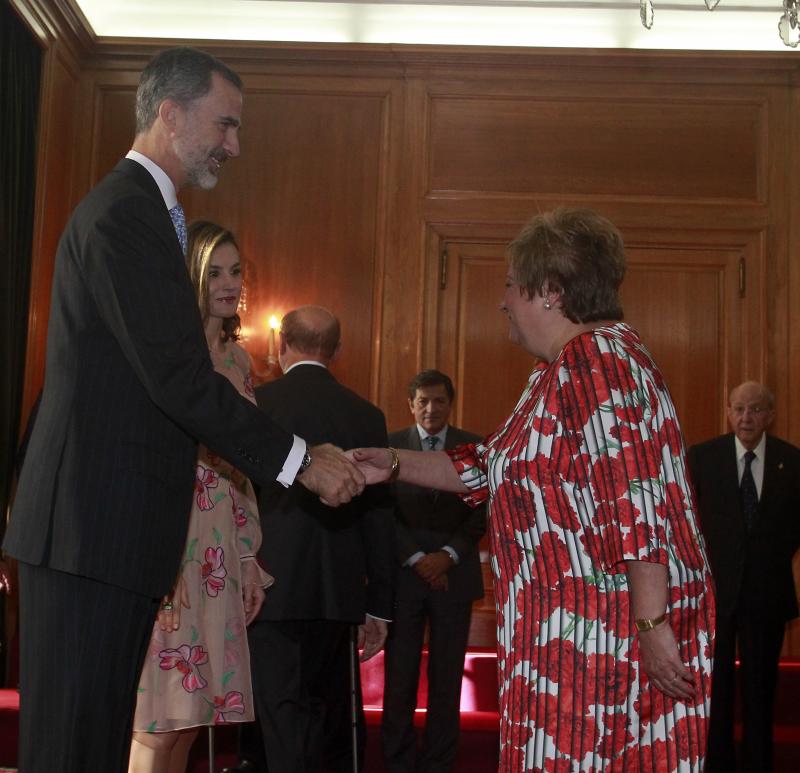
448	623
301	681
82	646
760	638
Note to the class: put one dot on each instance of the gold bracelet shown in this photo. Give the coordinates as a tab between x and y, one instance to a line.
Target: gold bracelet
648	623
395	471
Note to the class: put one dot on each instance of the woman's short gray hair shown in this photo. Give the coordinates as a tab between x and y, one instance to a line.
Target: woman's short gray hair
576	253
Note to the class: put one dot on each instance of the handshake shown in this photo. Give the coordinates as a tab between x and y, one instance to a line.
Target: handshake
337	476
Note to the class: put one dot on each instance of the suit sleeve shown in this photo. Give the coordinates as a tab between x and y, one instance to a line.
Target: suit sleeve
144	296
378	529
470	531
406	544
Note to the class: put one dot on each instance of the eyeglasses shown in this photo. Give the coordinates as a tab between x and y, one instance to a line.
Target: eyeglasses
755	410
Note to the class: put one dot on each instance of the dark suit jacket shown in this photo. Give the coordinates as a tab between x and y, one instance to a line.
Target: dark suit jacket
428	520
755	568
107	483
328	564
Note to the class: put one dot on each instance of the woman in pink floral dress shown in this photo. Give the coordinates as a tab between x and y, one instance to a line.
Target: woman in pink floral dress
605	612
197	670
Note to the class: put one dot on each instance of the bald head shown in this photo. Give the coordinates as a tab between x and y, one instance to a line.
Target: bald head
309	333
751	409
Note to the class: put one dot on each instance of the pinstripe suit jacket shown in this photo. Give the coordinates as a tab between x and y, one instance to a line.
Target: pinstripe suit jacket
129	388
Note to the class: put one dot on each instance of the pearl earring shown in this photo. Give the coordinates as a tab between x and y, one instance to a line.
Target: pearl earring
547	305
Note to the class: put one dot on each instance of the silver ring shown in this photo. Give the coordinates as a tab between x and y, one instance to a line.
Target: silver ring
167	606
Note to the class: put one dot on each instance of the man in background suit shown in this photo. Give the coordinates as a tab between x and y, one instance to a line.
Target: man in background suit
748	495
101	510
439	578
333	569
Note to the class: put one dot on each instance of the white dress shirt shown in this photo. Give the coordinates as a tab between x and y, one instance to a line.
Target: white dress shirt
757	465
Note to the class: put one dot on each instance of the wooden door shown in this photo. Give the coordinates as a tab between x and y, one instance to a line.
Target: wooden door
697	303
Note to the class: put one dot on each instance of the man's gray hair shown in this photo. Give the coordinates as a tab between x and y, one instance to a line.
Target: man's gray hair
182	74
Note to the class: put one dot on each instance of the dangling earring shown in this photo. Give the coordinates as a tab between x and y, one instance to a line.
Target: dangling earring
547	305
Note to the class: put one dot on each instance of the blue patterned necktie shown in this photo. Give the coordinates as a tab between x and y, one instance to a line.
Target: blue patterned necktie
749	493
179	221
432	440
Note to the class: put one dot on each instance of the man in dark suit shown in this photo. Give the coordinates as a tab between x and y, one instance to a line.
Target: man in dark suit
333	570
101	511
748	495
439	578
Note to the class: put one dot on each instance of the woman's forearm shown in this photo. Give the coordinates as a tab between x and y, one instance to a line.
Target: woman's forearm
649	589
432	469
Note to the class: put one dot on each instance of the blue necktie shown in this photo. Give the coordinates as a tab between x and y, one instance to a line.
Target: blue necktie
179	221
749	493
432	440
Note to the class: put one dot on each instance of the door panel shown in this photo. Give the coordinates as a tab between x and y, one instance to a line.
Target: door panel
685	301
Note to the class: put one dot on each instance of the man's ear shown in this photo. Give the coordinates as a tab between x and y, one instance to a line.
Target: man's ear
168	113
281	343
336	351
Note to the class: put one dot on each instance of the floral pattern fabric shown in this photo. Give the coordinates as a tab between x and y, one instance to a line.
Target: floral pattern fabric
588	472
200	674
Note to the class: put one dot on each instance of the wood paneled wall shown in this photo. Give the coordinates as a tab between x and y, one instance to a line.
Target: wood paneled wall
384	182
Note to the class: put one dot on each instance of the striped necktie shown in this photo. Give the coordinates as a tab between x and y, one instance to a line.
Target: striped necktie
432	441
179	221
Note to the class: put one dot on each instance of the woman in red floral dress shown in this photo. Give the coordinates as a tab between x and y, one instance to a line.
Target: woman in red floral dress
605	612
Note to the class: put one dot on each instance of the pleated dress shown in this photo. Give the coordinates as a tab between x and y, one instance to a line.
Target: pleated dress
589	472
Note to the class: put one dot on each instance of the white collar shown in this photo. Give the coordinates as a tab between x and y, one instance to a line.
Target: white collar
441	434
304	362
759	450
165	185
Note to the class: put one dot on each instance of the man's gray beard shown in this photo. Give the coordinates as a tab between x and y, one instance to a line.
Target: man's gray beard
205	180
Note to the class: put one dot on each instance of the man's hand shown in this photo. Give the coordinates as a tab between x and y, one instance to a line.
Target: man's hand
375	464
169	614
331	475
440	583
661	662
252	593
434	565
371	637
5	577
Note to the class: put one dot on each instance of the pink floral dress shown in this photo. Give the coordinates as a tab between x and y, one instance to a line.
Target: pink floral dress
200	674
588	472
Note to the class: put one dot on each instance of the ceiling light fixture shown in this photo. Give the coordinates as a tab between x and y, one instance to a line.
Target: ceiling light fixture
788	26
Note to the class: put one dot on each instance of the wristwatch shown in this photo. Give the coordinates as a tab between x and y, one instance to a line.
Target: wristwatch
305	464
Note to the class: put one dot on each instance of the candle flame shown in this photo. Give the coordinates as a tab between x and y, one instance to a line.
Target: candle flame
274	323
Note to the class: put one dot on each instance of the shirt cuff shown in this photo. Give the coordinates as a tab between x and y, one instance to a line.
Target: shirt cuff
413	558
452	553
293	461
375	617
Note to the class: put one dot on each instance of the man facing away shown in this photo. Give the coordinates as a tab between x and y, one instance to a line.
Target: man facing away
101	511
439	578
748	494
333	570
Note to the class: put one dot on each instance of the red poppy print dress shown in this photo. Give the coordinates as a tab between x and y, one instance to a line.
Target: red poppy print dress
588	472
200	674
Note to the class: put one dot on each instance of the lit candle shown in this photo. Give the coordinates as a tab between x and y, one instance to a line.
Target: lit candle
274	324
